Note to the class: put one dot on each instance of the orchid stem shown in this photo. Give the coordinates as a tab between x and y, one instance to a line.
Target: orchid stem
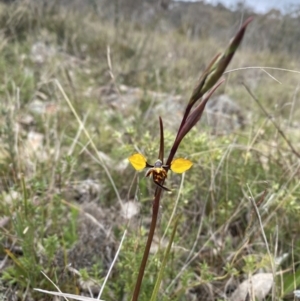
155	209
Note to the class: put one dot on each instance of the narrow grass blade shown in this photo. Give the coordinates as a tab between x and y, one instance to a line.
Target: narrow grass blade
290	282
65	295
15	260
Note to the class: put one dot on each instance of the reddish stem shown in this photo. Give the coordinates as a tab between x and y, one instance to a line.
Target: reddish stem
155	208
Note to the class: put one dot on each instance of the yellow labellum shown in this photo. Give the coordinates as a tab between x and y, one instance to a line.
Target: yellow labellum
181	165
138	161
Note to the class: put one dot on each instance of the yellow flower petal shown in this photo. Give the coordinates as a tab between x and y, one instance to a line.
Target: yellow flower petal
138	161
181	165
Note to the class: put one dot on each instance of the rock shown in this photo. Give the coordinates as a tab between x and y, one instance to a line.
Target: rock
259	285
224	115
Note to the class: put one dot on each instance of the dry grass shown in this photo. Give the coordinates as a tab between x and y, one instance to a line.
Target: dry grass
69	119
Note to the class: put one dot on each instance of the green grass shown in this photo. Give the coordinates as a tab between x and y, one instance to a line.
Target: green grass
58	204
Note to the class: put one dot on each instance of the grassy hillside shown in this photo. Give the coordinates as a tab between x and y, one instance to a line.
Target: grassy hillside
81	92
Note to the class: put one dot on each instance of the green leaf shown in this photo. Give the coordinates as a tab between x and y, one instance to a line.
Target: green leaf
290	282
